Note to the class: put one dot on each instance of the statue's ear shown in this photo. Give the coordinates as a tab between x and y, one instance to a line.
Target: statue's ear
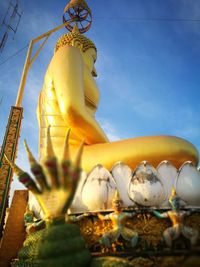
77	44
81	47
94	72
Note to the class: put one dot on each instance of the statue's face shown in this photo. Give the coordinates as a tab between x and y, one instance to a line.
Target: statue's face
117	205
89	58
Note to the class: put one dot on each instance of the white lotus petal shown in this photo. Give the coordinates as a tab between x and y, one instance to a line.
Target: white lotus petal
168	174
98	189
146	188
188	184
77	204
122	175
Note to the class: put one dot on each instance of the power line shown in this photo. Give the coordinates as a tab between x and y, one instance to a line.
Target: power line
149	19
121	18
13	55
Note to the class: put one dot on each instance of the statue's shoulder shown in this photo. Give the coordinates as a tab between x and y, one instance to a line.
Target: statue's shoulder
65	55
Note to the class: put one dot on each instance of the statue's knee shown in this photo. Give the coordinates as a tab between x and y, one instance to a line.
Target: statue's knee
167	238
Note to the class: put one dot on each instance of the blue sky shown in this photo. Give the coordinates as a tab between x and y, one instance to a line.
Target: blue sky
148	70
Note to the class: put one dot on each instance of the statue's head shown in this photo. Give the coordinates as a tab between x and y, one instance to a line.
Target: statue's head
117	202
174	200
84	44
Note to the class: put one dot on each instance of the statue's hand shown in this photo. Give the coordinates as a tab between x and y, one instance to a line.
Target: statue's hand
55	184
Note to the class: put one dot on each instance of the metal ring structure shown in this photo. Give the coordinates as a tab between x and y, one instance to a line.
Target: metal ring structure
77	12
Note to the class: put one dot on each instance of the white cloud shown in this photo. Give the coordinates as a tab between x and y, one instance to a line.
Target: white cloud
110	130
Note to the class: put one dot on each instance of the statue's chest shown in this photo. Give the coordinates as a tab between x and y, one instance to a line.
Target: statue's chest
91	91
176	217
118	219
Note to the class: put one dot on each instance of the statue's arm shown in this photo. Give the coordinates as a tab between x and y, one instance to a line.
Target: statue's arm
103	217
77	218
67	71
160	215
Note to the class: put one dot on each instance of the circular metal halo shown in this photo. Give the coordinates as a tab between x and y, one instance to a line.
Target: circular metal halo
79	15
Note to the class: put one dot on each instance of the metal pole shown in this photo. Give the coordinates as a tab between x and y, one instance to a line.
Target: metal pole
24	76
28	62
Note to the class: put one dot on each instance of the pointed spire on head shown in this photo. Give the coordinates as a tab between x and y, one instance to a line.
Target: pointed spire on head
15	168
75	29
49	147
77	161
173	192
31	158
116	196
66	147
173	195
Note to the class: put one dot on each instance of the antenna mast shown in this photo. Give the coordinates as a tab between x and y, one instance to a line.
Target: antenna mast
10	22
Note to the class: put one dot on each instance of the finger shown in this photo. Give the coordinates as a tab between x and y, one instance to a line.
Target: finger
77	166
52	169
75	175
66	164
51	162
66	155
66	178
29	183
77	162
36	169
24	177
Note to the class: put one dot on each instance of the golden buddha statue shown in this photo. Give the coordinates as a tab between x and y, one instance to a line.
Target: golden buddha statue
69	99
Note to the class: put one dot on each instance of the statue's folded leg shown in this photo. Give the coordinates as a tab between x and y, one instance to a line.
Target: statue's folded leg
170	234
191	234
134	240
130	235
108	238
132	151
